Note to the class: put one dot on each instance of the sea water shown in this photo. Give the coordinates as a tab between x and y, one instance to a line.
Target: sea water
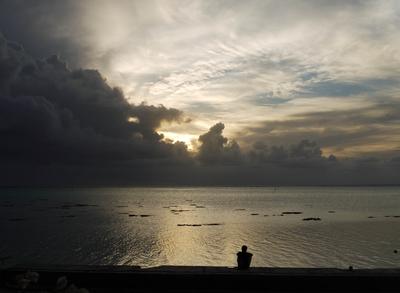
357	226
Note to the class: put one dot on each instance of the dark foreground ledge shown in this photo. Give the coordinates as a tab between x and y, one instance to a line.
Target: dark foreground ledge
208	279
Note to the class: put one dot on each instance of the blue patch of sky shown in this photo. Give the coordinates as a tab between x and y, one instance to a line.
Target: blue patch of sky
308	75
266	99
344	89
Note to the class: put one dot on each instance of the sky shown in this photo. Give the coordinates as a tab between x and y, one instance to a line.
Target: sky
165	92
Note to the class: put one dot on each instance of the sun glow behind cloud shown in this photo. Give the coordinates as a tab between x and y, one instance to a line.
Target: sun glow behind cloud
188	139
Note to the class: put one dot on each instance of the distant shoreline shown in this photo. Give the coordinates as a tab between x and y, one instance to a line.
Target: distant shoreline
194	186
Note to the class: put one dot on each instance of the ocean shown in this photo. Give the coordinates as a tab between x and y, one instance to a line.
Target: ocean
282	226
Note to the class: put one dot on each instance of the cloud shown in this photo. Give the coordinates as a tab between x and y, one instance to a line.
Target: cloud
370	131
62	126
228	55
304	154
50	114
216	149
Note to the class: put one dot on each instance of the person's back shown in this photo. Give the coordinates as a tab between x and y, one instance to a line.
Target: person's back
244	258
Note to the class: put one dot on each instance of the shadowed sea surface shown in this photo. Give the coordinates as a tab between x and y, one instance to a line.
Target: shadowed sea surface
358	226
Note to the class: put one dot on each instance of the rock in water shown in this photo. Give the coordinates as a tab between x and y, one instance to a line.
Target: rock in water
312	219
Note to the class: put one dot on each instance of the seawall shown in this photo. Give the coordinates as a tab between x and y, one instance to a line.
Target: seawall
210	279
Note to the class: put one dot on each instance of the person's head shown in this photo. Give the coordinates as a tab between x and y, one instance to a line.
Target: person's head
244	248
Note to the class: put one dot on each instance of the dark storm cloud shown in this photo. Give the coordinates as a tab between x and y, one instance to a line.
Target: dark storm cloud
215	148
44	27
51	114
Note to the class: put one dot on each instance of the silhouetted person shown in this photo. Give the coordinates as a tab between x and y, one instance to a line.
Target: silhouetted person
244	258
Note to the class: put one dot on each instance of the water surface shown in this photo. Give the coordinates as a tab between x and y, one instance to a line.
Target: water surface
359	226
